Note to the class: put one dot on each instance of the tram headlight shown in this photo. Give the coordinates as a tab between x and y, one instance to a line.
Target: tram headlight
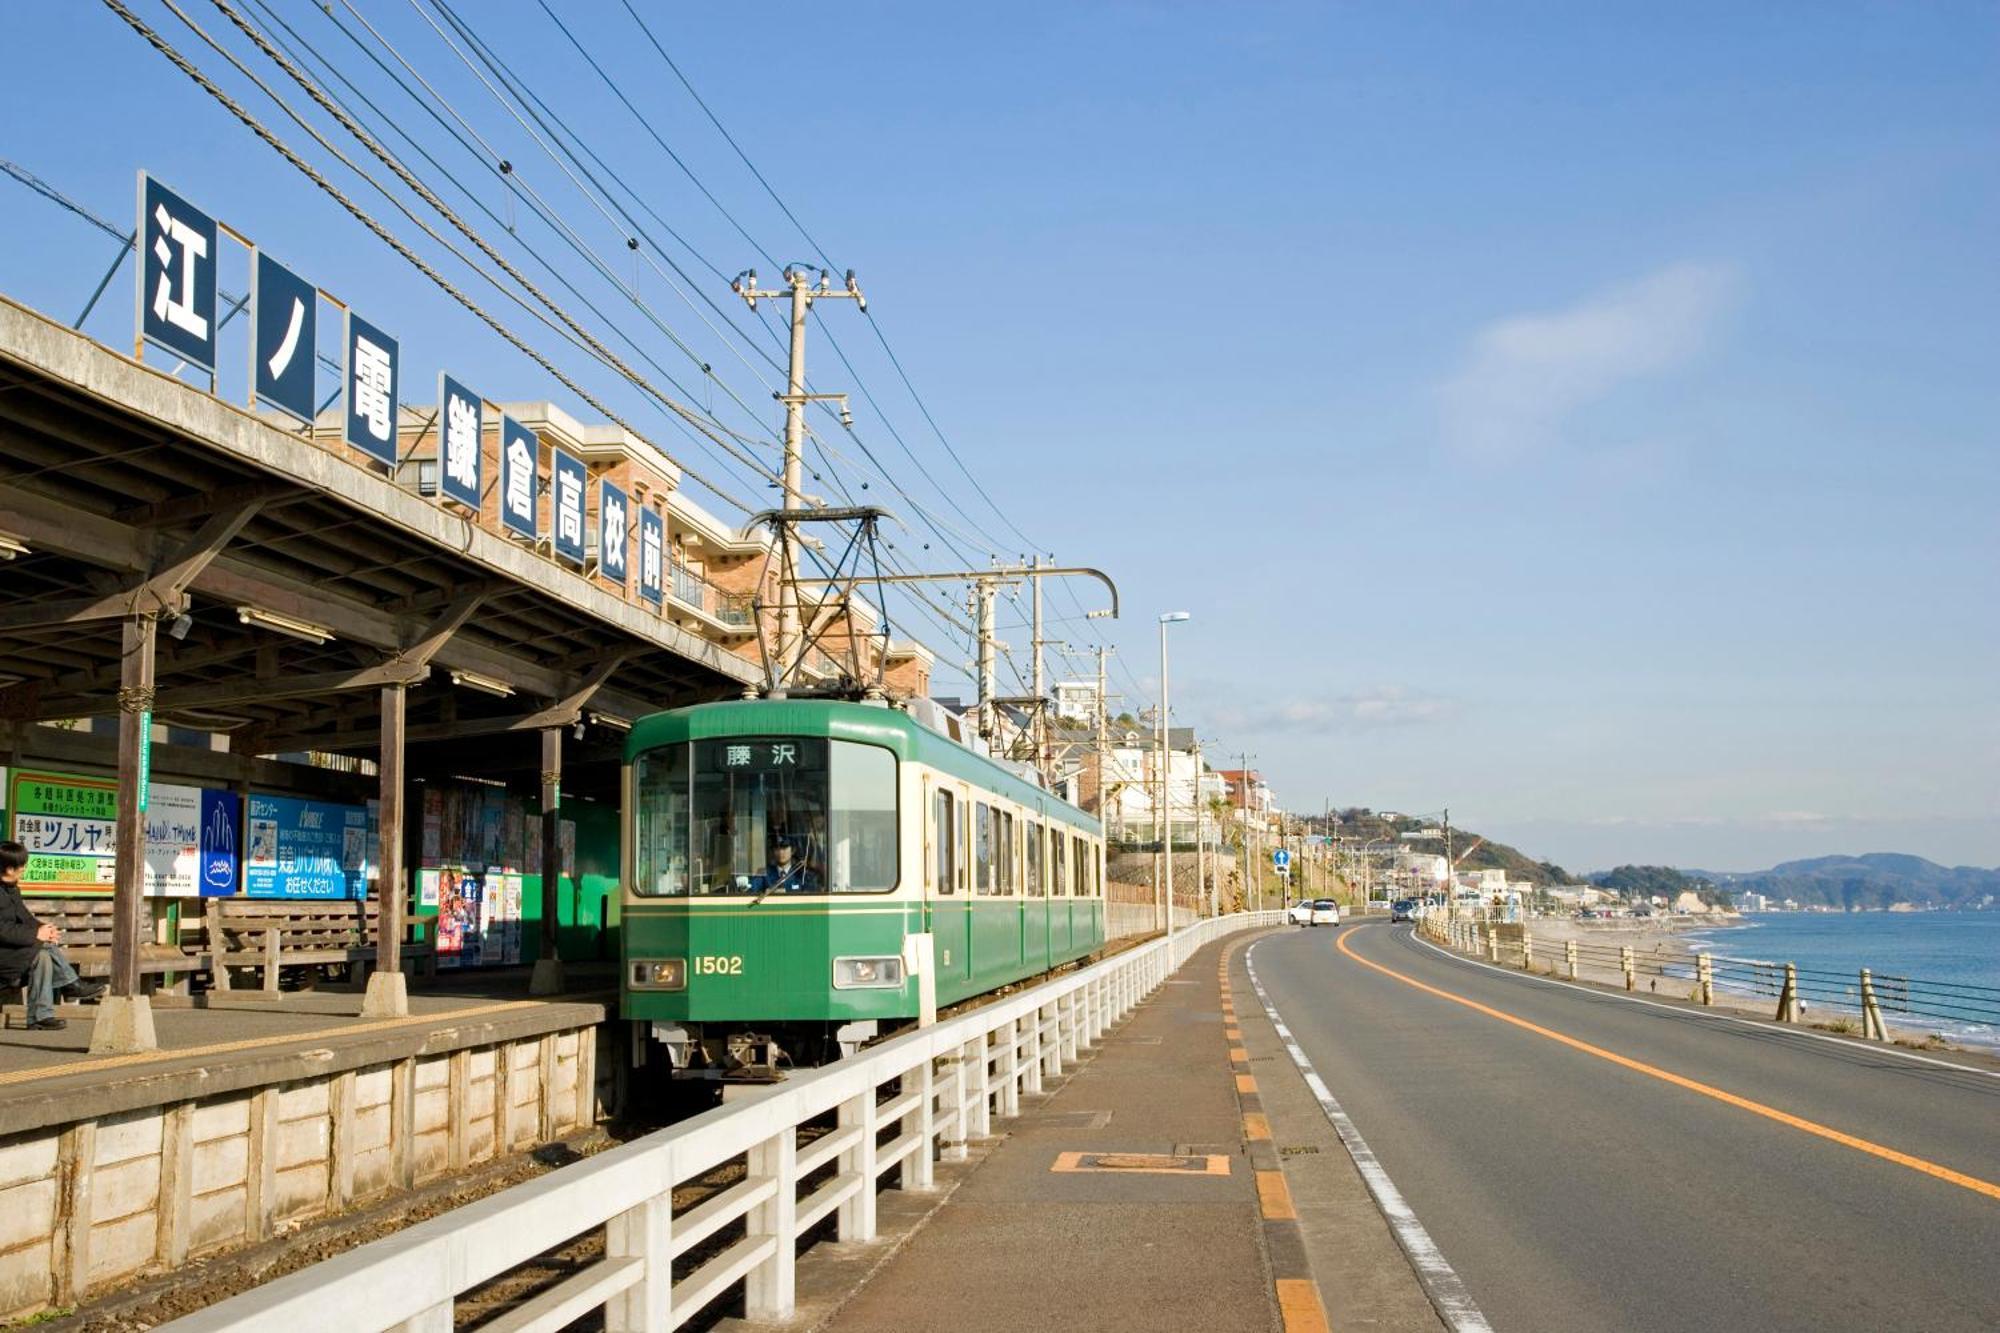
868	973
659	974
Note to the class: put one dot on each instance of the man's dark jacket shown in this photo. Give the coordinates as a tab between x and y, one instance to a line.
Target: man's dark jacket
18	945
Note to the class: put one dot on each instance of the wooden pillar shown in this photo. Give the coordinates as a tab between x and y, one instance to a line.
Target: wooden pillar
388	990
548	974
125	1018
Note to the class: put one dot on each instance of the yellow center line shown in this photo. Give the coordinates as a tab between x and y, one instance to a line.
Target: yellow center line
1929	1168
250	1043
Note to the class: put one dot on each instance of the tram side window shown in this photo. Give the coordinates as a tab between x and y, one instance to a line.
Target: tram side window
1035	887
1058	865
1004	820
660	793
982	849
1082	850
944	828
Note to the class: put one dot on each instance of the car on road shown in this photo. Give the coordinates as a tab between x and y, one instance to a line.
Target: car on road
1403	909
1300	912
1323	912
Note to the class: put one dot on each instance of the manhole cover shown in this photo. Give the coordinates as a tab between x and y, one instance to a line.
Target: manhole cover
1213	1164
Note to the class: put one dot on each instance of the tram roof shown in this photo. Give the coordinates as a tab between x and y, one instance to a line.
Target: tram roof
848	720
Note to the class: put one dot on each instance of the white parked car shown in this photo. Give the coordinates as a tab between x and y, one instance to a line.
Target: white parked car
1300	913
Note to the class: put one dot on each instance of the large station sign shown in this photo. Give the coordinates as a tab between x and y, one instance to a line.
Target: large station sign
177	257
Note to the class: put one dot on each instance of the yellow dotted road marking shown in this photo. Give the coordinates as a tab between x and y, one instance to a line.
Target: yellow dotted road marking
1274	1200
1256	1125
1944	1173
1299	1305
1245	1083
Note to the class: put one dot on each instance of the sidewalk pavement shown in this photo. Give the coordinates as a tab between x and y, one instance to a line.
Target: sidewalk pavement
1131	1196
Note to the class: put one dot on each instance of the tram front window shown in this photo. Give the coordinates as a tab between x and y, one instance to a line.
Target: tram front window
757	816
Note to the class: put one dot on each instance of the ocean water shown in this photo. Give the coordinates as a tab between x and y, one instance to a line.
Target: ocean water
1960	949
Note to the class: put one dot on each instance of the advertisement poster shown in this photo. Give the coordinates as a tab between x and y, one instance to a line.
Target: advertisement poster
69	825
478	915
307	849
459	894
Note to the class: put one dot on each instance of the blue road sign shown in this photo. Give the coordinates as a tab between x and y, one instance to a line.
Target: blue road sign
460	440
652	554
177	253
372	382
566	479
614	532
518	451
1282	859
284	313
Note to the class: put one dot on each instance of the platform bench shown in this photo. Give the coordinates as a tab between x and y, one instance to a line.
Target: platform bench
273	935
86	925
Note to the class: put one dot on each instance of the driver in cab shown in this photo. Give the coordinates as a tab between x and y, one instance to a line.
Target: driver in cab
787	871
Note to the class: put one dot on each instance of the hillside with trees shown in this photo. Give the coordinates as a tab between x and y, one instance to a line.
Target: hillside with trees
1873	882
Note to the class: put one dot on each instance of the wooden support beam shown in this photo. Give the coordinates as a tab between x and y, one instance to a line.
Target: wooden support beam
162	593
135	718
239	693
389	829
551	866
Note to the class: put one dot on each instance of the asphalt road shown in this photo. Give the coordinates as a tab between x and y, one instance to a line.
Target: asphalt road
1573	1192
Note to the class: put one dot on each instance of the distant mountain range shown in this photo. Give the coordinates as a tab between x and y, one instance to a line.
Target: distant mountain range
1874	880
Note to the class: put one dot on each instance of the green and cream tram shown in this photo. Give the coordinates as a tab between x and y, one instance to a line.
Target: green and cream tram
787	859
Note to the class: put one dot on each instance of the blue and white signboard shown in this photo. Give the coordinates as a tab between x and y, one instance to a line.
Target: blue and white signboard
518	450
614	532
567	479
652	554
307	849
177	256
371	389
216	871
460	418
1281	860
284	313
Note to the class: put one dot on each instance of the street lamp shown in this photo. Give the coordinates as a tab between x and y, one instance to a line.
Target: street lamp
1166	811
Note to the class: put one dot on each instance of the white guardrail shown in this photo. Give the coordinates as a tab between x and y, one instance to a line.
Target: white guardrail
943	1084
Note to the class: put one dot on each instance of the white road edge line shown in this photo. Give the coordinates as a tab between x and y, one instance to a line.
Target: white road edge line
1870	1047
1440	1281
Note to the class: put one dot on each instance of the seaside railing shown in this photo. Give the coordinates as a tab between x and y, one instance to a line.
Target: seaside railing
1870	1000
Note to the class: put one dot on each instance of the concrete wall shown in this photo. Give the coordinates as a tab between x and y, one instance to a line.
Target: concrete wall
91	1203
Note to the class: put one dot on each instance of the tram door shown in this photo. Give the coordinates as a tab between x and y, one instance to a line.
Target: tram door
1034	895
948	905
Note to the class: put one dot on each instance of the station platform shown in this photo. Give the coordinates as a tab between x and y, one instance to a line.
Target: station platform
258	1113
1147	1190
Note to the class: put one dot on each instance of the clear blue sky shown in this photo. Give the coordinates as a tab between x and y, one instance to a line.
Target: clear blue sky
1581	415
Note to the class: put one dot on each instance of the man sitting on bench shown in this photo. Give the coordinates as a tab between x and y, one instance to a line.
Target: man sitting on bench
31	953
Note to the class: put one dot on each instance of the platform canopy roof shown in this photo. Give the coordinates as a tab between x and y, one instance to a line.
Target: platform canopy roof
290	581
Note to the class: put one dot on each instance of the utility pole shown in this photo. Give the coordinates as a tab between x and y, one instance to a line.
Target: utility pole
800	287
985	584
983	591
1040	718
1103	733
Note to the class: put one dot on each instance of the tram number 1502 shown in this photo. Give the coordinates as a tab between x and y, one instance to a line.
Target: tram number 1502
718	965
